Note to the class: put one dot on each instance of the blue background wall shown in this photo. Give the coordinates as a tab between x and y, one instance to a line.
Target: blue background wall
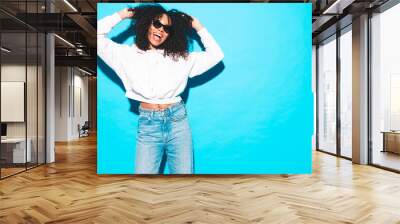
251	114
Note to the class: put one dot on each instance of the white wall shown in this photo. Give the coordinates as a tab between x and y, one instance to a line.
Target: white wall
71	94
80	102
17	72
61	103
10	73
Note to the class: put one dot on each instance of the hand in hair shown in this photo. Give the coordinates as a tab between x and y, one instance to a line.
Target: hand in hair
191	21
196	24
126	13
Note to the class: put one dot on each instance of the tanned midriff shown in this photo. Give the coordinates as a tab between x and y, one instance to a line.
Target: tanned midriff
154	106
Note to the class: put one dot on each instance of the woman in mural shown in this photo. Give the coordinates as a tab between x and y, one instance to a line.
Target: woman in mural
155	71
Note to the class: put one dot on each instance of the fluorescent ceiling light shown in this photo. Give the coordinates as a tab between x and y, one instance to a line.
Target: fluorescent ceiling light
70	5
333	6
338	6
5	50
65	41
84	71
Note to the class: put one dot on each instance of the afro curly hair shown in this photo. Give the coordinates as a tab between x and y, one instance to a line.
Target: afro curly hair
178	42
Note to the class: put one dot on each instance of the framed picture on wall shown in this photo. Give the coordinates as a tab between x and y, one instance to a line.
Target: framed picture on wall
204	89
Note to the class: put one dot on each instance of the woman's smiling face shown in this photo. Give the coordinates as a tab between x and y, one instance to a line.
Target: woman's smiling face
157	36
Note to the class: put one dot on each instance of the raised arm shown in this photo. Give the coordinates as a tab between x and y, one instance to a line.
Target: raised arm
207	59
107	49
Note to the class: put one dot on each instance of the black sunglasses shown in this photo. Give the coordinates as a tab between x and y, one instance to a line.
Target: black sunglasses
157	24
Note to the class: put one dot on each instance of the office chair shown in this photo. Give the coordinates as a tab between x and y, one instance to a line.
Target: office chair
84	130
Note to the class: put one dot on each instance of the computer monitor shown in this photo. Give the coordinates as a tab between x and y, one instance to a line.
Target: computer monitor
3	129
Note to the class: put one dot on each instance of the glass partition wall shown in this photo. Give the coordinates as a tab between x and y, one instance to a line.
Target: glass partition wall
13	91
22	88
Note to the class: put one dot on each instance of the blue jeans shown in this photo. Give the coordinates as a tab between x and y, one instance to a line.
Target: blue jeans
164	132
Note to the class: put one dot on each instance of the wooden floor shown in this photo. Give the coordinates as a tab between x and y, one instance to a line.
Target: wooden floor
70	191
5	172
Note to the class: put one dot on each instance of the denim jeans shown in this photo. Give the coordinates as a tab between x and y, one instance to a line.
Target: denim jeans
164	133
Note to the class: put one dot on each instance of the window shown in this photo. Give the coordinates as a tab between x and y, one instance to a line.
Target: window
346	92
385	88
327	95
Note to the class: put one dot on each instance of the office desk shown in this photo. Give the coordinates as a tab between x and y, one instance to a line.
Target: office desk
15	148
391	141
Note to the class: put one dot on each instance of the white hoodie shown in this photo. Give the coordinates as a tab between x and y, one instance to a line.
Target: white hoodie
148	76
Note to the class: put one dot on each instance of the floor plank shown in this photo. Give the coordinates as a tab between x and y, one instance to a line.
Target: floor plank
70	191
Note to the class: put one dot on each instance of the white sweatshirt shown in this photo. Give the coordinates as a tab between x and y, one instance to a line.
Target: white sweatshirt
148	76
